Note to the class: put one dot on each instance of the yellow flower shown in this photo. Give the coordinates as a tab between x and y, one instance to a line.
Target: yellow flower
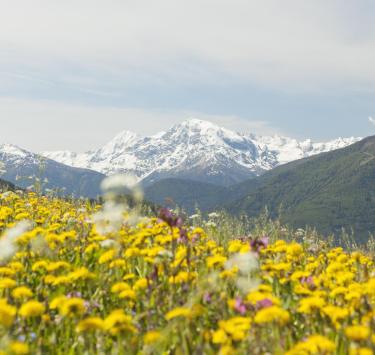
294	250
315	344
22	292
141	284
220	337
31	309
257	296
309	304
90	324
7	271
361	351
357	332
118	322
178	312
227	350
181	277
237	327
335	313
107	256
216	260
57	302
272	314
129	294
6	282
19	348
7	313
128	277
230	273
151	337
72	306
40	265
119	287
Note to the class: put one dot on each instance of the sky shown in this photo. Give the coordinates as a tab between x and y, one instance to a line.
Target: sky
74	73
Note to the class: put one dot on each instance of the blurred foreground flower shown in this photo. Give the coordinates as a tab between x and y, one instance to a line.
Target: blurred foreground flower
8	246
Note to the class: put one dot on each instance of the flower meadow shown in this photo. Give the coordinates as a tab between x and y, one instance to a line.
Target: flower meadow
79	277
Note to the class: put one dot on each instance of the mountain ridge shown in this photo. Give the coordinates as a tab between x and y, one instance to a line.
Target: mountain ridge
330	191
20	167
197	150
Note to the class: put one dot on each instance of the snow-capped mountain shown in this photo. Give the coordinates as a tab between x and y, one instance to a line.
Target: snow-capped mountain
197	150
22	168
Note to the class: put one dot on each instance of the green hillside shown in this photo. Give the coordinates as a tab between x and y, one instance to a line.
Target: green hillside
188	194
330	191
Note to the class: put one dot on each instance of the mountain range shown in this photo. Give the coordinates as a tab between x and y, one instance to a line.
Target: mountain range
22	168
198	164
329	191
195	150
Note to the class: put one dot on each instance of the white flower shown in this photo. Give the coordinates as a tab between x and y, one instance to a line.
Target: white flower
8	246
8	194
194	216
110	218
247	284
118	182
108	243
246	262
213	215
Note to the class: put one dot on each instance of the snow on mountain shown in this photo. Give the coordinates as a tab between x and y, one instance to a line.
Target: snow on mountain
15	155
22	168
289	149
195	149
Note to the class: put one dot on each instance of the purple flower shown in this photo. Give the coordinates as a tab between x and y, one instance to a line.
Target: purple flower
259	243
264	303
183	236
309	282
170	218
239	306
207	297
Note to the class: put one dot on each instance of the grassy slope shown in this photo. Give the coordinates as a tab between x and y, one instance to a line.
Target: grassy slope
329	191
185	193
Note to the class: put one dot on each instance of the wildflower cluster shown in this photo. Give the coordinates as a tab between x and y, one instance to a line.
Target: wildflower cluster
157	286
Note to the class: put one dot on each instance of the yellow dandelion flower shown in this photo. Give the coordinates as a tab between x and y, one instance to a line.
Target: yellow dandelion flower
128	294
315	344
272	314
31	309
119	287
7	313
309	304
216	261
151	337
119	322
107	256
72	307
357	332
90	324
6	283
361	351
140	284
182	312
22	292
19	348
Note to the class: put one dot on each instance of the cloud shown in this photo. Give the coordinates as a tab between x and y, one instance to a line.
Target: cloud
371	120
289	45
49	125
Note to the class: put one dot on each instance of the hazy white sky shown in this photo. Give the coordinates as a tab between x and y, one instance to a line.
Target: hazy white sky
74	72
